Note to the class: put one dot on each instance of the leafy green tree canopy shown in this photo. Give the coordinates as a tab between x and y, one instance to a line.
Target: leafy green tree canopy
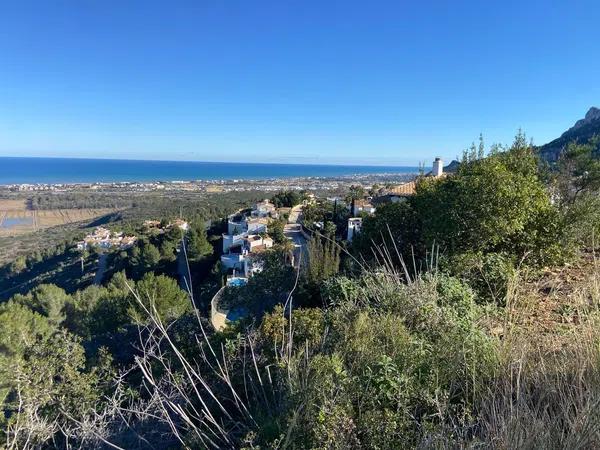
48	300
286	199
197	245
494	204
578	171
161	293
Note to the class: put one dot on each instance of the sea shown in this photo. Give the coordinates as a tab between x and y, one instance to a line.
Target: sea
17	170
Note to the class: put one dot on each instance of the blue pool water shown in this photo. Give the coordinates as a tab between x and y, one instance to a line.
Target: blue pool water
237	282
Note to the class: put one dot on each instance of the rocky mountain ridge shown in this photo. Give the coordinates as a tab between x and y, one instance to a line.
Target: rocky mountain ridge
582	132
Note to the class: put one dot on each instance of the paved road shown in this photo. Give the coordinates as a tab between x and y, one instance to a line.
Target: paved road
295	214
101	268
182	268
293	231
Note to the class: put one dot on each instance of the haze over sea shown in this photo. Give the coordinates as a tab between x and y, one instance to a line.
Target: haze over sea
74	170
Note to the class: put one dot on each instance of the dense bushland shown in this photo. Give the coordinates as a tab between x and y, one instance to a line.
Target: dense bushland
497	213
452	322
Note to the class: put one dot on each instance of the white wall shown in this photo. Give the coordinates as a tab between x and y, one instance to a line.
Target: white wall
354	227
230	240
236	227
256	227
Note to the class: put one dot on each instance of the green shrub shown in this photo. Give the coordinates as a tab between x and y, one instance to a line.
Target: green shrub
308	325
488	274
495	204
396	357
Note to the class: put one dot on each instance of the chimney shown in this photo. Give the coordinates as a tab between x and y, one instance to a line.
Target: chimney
438	167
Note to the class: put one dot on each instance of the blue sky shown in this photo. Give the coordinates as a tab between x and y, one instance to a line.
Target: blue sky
278	81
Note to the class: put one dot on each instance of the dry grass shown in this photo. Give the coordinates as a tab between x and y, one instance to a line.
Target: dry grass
546	392
543	396
557	302
12	204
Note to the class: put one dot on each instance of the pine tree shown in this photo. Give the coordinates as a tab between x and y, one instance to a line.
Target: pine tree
198	246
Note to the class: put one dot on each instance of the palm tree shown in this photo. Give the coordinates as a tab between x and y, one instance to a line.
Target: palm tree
287	247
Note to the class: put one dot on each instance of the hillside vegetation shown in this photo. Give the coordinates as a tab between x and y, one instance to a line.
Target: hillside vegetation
584	131
465	317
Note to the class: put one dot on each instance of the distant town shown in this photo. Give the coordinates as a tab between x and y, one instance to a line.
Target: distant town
210	186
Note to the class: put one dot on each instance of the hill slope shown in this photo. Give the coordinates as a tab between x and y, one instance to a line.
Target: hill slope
582	132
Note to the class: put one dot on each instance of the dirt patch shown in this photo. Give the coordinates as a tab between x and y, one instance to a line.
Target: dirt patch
19	221
557	299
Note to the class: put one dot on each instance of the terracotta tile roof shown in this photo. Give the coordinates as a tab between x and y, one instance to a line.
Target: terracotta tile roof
404	189
258	248
361	203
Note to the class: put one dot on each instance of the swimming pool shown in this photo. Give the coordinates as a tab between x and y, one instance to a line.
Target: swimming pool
237	281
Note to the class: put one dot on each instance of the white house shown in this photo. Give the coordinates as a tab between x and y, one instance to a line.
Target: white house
103	238
255	242
354	227
236	225
362	205
234	260
240	226
243	238
257	225
240	257
233	240
264	209
181	224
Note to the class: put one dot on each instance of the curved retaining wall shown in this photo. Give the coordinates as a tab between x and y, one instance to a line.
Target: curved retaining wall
217	318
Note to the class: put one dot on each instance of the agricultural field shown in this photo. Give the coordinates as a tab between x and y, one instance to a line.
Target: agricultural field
33	223
17	218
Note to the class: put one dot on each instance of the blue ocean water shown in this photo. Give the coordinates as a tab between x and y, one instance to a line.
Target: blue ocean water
72	170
